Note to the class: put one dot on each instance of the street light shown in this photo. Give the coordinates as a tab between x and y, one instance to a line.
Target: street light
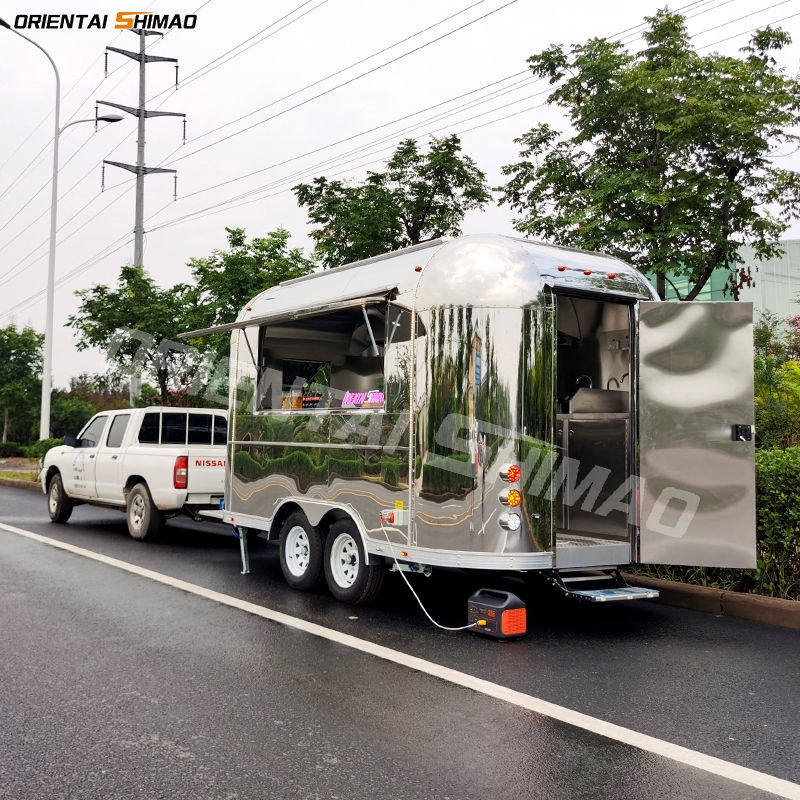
44	418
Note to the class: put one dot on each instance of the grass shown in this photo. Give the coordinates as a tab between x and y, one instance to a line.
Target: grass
20	476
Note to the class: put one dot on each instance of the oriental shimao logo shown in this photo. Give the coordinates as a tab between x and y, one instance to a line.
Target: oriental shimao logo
123	20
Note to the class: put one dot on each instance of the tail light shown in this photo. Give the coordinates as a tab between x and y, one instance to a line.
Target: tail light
180	473
510	473
511	497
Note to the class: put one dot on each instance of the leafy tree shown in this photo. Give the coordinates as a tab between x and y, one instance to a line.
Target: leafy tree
668	163
137	324
419	196
20	375
68	414
777	381
227	279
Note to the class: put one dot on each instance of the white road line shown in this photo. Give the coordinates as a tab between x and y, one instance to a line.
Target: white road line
650	744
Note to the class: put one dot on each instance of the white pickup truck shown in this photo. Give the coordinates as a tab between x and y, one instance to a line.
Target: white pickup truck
151	462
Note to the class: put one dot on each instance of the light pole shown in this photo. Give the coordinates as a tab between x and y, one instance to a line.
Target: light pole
44	418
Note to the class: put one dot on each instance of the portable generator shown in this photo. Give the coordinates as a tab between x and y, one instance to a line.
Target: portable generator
498	614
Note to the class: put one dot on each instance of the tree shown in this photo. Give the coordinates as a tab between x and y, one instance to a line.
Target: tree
68	414
419	196
777	381
137	325
227	279
20	374
668	162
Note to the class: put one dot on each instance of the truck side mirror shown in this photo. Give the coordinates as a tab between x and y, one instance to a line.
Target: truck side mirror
71	440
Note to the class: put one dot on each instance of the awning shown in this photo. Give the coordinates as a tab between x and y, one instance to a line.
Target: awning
288	316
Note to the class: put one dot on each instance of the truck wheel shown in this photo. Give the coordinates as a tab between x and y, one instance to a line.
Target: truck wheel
144	519
59	506
348	576
300	552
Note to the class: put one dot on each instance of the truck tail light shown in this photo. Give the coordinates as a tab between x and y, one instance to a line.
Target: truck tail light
510	473
180	472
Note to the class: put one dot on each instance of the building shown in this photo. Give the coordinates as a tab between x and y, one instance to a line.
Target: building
776	282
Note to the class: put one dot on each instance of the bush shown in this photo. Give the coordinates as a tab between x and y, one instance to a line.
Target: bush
778	522
38	449
10	450
777	571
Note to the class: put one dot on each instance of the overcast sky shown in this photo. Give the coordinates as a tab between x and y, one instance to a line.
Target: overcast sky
330	36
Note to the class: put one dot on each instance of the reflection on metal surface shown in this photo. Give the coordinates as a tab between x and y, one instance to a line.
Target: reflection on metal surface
698	493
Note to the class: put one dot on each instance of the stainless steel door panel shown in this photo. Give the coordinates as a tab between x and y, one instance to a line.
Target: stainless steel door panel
697	481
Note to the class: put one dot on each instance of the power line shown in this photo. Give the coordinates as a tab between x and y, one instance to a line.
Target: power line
348	81
216	63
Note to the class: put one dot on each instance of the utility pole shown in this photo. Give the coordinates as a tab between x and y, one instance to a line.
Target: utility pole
140	170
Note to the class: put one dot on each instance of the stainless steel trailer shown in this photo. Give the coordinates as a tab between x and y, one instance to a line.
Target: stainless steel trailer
492	403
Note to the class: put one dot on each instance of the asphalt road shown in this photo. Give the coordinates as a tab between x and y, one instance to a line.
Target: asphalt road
112	685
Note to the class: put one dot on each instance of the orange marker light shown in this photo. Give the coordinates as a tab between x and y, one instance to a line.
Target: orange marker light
587	272
514	497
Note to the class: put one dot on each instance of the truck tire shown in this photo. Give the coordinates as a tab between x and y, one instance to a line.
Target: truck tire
348	576
59	506
301	552
144	519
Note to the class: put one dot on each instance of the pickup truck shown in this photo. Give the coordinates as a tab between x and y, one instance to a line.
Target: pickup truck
150	462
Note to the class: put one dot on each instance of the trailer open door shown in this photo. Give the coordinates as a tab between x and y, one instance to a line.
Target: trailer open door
696	437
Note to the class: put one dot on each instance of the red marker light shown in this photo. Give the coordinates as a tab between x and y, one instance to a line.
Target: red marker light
587	272
612	274
561	268
417	269
512	475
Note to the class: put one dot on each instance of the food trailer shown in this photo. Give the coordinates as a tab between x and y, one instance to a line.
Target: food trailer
491	403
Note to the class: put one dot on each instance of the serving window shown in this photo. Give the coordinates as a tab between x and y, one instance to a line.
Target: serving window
330	360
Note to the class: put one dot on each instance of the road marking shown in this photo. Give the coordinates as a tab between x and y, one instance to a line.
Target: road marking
650	744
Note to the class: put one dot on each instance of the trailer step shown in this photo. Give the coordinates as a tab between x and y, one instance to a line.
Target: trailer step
622	593
593	586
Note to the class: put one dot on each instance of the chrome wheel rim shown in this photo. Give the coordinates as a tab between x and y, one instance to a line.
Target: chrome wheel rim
297	551
137	512
55	496
345	560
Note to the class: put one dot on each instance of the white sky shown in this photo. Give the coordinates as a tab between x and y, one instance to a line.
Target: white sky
332	36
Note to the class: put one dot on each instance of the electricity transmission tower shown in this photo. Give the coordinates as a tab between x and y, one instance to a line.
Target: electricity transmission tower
139	169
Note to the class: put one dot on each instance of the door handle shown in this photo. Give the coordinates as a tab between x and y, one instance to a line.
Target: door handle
91	455
113	458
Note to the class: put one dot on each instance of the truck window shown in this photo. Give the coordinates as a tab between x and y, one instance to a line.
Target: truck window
220	430
199	429
116	431
173	427
92	433
333	360
148	432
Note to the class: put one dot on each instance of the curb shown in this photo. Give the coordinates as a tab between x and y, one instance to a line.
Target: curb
31	486
755	607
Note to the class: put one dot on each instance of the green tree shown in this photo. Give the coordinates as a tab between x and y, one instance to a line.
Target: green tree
668	163
20	376
227	279
68	414
419	196
137	324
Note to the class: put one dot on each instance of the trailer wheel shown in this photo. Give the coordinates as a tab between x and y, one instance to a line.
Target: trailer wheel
144	519
300	552
348	576
59	506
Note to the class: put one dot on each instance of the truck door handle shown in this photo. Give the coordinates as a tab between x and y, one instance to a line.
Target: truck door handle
91	455
742	433
113	458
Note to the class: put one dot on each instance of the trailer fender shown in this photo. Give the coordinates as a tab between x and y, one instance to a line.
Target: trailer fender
317	510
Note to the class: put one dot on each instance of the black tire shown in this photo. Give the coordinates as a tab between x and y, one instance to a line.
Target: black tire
301	552
348	577
59	505
144	519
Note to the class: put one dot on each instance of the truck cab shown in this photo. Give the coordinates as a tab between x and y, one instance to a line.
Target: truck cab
151	462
